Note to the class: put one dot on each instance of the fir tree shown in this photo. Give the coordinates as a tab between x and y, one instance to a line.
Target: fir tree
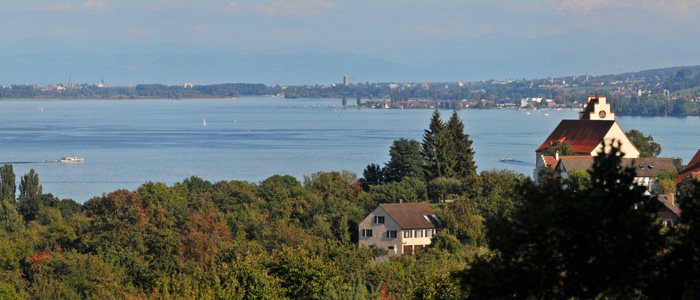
460	151
433	149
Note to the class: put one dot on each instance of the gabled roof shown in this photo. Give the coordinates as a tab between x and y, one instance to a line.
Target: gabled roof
583	135
550	160
643	166
569	163
692	167
669	204
586	114
412	215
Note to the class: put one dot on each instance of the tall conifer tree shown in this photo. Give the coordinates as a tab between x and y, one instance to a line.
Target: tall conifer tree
433	149
460	152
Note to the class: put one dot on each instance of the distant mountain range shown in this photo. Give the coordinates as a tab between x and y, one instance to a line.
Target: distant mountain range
488	57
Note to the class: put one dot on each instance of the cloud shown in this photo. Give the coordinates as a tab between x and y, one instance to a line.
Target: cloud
97	5
296	8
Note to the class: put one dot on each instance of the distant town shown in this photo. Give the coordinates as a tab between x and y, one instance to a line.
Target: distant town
670	91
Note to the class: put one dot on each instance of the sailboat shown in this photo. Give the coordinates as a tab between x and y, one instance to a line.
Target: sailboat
205	122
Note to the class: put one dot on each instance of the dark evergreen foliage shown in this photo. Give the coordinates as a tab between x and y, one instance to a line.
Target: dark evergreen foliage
599	242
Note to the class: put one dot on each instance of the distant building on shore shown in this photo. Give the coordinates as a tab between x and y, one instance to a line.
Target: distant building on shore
71	84
346	80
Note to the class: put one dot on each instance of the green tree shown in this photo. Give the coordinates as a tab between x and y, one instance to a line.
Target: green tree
345	101
29	185
460	148
303	274
564	149
463	220
645	144
551	247
680	259
495	192
372	175
410	189
577	180
8	187
434	150
9	217
441	188
359	102
405	161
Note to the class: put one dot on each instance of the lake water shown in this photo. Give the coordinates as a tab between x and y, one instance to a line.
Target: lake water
128	142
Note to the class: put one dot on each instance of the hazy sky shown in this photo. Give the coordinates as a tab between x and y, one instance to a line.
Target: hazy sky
403	31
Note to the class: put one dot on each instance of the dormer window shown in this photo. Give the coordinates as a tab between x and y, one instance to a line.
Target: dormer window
641	167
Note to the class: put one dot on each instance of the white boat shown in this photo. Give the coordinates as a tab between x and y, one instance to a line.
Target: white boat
205	122
71	159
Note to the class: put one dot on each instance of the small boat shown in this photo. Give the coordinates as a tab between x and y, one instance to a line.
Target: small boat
507	159
205	122
71	159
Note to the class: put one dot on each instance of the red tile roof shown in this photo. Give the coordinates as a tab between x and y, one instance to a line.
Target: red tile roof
583	135
692	167
550	161
411	215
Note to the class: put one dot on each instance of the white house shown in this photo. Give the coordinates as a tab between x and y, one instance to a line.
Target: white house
399	228
595	129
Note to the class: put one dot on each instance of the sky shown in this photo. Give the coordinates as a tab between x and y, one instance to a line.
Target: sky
417	34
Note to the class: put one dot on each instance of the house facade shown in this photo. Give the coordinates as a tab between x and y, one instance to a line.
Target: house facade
594	131
399	228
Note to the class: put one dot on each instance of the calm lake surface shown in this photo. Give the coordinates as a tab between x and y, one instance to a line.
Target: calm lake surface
126	143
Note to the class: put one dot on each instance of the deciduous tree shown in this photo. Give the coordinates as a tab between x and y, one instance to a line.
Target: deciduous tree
645	144
405	161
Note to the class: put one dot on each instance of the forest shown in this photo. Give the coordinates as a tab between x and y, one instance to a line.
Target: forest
505	236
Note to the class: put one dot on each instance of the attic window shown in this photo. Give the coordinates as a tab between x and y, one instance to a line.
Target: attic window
426	218
641	167
651	166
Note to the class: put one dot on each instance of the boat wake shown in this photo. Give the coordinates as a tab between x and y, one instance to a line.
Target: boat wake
511	161
27	162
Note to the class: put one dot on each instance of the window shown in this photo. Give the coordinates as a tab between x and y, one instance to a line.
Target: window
418	233
366	232
391	234
408	234
379	219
